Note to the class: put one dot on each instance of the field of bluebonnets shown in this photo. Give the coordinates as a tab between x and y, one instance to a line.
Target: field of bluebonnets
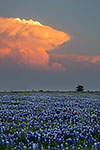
50	121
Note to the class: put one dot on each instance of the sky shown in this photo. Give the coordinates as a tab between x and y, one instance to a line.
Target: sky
49	44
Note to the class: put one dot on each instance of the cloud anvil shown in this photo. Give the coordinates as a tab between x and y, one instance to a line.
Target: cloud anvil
26	42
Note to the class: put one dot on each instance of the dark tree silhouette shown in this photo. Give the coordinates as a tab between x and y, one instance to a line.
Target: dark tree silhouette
80	88
40	90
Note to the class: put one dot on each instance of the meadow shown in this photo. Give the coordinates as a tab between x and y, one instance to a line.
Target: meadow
50	121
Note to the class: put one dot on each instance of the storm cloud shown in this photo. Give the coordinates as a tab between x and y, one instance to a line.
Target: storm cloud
26	42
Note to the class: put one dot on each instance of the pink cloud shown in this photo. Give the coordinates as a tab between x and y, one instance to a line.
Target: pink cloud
26	42
58	67
76	58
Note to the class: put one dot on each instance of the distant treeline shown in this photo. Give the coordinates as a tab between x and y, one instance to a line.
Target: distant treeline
43	91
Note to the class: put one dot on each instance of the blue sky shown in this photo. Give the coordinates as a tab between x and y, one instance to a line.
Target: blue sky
81	20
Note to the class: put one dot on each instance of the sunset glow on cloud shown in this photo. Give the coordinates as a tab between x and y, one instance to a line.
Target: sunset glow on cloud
59	67
26	42
75	58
